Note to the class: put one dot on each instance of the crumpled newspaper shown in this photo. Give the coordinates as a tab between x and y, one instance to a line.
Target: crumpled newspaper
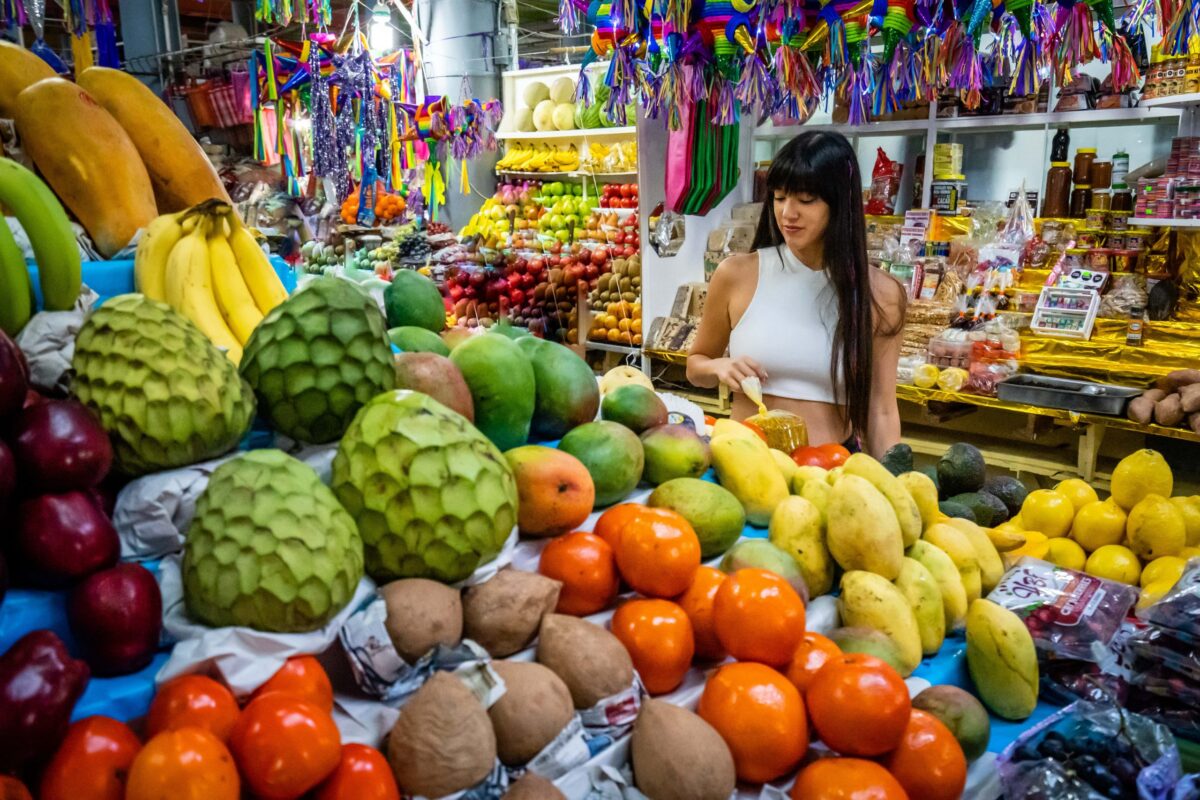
48	342
154	511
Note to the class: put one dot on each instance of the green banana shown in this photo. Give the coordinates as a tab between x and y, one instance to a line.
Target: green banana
49	231
15	307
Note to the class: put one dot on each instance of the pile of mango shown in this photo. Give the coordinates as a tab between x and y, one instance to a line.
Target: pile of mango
908	570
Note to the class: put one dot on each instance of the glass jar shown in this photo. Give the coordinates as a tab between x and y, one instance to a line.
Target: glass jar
1081	200
1101	175
1084	157
1057	202
1101	199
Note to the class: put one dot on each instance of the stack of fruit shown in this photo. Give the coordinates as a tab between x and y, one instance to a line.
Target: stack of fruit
388	209
527	157
619	195
205	264
600	158
618	323
319	257
544	108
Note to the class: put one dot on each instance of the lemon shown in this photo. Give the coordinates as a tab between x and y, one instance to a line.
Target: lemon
1066	553
1139	474
1161	569
1079	492
1097	524
1115	563
925	376
1048	511
1155	528
1189	552
1189	509
1153	592
1036	546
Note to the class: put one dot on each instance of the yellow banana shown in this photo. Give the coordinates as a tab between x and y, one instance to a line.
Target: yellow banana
233	296
264	284
153	250
177	261
199	303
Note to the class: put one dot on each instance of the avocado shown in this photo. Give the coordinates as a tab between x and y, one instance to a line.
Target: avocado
411	339
898	459
952	509
1010	491
987	509
961	470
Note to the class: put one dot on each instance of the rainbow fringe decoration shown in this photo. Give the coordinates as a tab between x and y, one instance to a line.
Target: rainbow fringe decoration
1183	27
891	87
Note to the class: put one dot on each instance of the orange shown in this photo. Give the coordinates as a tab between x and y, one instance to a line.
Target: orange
760	716
836	453
584	563
759	617
697	603
813	652
613	521
929	762
658	636
859	705
658	553
847	779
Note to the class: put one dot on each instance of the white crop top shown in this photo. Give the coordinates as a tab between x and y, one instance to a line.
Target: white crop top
788	327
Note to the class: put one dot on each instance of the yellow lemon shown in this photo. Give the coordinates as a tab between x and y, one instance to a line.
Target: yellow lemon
1048	511
1115	563
1153	592
1189	509
1066	553
1079	492
1161	569
1139	474
1189	552
1097	524
1155	528
1036	546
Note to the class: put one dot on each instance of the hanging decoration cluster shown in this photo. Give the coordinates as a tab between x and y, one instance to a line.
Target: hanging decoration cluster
780	57
90	23
347	118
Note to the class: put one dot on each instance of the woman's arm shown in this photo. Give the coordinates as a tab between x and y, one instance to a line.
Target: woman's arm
884	425
706	364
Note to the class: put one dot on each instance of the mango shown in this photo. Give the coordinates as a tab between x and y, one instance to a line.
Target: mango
862	530
834	475
796	528
868	641
803	475
962	713
566	395
436	376
744	467
955	544
1155	528
1002	660
727	427
612	454
635	407
945	574
991	566
555	489
787	467
714	513
921	591
817	493
674	451
761	554
924	493
907	513
872	601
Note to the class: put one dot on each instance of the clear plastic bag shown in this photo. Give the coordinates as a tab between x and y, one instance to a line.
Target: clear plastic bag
1068	613
1179	609
784	431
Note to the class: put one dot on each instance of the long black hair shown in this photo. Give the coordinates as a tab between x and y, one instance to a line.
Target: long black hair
824	165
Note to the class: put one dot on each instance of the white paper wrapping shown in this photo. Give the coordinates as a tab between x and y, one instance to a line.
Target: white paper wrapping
48	342
243	657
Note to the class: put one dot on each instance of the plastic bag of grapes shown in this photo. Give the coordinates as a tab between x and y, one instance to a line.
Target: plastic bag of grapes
1091	751
1179	609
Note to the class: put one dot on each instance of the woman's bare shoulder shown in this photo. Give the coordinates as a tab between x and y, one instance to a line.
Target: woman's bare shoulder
736	267
887	291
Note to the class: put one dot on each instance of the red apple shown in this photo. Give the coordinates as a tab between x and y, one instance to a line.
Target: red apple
8	475
64	537
60	446
14	377
116	616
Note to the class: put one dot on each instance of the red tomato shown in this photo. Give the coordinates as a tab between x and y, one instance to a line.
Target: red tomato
836	453
284	746
13	789
757	430
812	457
304	677
92	761
192	701
362	774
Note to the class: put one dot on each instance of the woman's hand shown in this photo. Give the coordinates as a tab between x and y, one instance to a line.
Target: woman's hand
732	371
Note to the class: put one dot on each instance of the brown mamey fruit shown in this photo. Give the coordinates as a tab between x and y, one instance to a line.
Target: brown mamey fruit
533	787
504	613
591	661
443	742
556	490
536	706
438	377
421	614
676	755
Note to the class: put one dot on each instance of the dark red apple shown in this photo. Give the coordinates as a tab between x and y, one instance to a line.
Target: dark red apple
39	686
14	377
8	475
64	537
60	446
116	616
3	577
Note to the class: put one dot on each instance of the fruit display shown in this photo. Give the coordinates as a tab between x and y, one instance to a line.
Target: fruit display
206	265
624	195
387	208
600	158
527	157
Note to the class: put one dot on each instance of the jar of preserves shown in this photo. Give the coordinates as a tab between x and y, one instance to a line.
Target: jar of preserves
1084	157
1058	190
1081	200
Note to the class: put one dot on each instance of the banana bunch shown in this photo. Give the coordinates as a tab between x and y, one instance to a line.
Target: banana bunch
54	248
204	263
522	157
619	157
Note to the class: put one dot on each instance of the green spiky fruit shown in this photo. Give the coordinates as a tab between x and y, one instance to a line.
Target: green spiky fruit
270	548
316	358
433	497
167	397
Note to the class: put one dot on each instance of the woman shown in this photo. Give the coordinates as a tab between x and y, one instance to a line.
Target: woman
805	313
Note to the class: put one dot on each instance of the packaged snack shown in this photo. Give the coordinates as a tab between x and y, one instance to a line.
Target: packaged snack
885	185
1068	613
784	431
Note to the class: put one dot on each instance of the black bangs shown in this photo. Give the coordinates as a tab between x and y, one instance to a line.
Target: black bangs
815	163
